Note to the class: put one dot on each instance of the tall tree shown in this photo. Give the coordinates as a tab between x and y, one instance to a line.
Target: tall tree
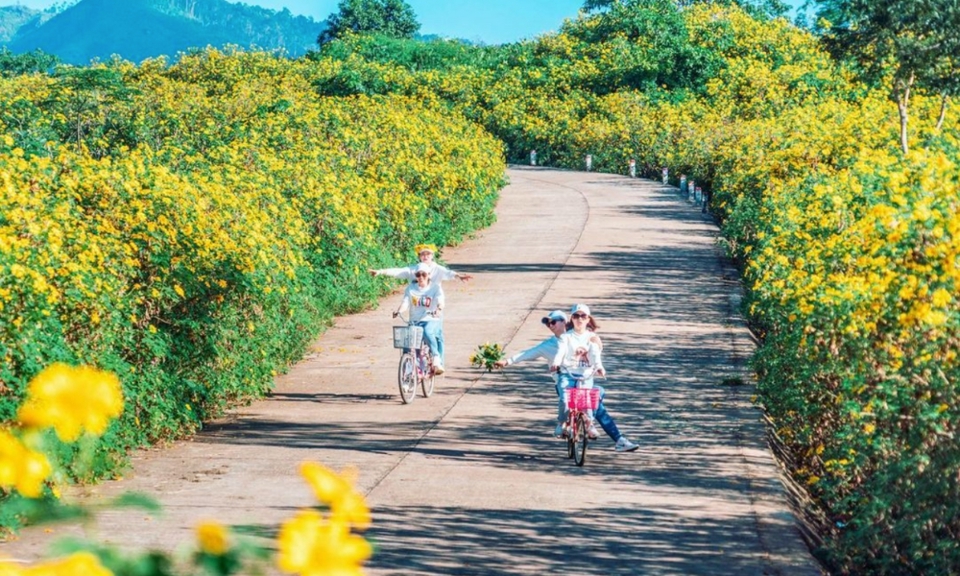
915	39
388	17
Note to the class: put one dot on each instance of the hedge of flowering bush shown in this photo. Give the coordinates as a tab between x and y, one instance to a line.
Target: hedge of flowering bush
190	227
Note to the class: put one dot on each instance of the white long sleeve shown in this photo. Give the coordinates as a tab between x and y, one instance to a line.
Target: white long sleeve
546	350
438	273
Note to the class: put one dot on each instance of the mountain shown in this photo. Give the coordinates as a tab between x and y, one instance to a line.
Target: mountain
139	29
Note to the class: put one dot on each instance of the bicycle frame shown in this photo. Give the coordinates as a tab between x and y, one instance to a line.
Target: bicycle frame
579	402
415	368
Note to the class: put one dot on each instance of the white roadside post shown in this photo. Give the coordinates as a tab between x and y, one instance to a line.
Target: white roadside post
683	184
666	175
698	195
589	162
633	168
533	157
691	187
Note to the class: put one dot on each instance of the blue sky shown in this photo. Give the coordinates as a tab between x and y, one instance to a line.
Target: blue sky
489	21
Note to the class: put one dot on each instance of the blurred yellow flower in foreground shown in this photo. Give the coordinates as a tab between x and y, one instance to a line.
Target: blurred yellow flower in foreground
213	537
71	399
336	490
312	546
21	468
79	564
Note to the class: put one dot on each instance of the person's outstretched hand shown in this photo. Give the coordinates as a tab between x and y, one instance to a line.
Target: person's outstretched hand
395	314
464	277
500	364
373	272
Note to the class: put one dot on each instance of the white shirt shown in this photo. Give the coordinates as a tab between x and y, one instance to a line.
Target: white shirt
422	301
577	354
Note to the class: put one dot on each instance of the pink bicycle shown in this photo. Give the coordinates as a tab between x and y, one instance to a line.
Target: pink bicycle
579	400
416	362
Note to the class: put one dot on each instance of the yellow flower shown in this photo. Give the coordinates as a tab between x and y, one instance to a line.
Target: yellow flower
79	564
328	486
20	467
336	490
310	546
213	537
352	509
71	399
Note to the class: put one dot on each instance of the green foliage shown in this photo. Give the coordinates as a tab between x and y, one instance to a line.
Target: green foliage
902	43
32	62
393	18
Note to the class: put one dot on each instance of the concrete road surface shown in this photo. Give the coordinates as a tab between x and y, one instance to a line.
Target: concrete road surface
471	481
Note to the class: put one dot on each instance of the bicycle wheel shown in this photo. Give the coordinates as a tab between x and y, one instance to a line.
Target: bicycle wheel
407	377
426	382
580	440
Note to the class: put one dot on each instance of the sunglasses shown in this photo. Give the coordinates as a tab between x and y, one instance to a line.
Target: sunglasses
579	316
421	274
552	322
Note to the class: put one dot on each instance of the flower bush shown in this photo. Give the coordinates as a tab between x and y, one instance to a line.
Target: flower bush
196	225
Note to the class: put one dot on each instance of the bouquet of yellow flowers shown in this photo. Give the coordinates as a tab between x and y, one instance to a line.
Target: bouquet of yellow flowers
485	355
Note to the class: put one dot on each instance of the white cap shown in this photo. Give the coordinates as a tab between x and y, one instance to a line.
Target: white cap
554	316
580	308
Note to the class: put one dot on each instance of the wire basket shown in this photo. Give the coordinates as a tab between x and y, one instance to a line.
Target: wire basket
408	337
582	398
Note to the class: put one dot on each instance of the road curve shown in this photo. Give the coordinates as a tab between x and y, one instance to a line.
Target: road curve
470	481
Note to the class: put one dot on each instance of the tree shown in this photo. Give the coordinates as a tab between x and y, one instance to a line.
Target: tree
914	41
388	17
12	64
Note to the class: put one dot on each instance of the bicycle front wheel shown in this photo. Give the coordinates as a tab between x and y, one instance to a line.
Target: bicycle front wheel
580	440
407	377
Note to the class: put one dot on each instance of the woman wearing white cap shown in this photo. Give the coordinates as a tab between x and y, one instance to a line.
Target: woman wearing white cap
437	273
578	358
556	322
425	301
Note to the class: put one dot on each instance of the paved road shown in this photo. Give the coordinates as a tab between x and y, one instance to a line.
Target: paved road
470	481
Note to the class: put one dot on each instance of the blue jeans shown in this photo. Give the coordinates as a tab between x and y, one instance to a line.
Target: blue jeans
433	334
600	414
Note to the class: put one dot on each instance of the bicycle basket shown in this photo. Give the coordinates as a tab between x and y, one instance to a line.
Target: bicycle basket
582	398
407	336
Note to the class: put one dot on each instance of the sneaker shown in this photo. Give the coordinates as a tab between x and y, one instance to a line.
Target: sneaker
624	445
437	367
592	431
558	431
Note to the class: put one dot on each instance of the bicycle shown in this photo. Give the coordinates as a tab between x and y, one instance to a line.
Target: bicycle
416	361
579	400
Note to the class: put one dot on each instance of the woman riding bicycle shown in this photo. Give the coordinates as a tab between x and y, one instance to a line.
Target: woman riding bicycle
556	322
438	274
424	299
577	360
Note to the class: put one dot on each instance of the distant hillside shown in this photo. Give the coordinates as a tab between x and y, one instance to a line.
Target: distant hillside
14	18
139	29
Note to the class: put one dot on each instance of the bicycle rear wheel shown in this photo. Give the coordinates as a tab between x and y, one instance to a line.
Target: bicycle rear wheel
407	377
580	440
426	382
